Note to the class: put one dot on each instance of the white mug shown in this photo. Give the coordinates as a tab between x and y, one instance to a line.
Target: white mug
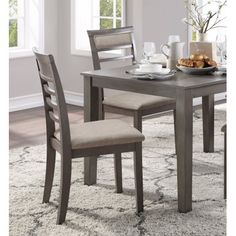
173	39
150	68
175	52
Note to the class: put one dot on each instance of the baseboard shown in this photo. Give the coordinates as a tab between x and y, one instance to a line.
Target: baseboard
25	102
74	98
35	100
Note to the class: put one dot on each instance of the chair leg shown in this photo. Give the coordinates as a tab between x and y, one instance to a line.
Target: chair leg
138	120
64	188
138	173
101	114
225	166
174	113
50	167
118	172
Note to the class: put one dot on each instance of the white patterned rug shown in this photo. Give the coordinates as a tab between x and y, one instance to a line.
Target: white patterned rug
98	210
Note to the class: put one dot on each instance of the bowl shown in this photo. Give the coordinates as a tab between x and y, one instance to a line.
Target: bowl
196	71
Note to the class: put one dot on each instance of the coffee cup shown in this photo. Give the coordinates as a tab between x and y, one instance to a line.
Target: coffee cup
150	68
173	39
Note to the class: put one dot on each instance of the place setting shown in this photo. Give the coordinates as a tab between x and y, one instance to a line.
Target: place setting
151	72
153	66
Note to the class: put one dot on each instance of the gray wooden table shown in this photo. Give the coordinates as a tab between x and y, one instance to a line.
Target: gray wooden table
183	88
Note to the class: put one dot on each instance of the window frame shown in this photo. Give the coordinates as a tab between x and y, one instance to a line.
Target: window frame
20	19
87	52
24	50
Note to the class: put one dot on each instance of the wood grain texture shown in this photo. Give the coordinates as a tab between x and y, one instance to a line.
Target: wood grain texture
183	88
184	126
57	119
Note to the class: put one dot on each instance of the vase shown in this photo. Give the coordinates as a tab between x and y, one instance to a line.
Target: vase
201	37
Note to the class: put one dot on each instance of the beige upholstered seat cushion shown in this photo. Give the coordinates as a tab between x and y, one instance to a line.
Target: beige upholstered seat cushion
136	101
102	133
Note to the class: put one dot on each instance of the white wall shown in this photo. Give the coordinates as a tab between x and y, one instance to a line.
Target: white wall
70	66
153	20
162	18
23	77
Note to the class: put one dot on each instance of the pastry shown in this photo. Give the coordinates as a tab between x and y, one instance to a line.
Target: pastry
186	62
211	63
197	61
199	64
197	57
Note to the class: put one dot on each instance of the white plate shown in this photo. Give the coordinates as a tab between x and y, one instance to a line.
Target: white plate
152	76
138	71
196	71
154	61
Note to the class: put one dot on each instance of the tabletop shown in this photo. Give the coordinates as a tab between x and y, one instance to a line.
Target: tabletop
180	80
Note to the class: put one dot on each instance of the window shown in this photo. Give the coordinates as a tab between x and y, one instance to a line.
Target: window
93	14
25	26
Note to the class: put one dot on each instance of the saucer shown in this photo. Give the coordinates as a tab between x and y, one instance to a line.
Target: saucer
139	71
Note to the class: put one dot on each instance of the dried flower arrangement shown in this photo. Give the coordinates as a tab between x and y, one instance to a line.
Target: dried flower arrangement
203	22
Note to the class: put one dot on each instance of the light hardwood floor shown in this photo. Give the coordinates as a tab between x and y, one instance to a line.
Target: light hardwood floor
27	127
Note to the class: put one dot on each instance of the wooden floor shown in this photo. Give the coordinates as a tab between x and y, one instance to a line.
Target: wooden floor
27	127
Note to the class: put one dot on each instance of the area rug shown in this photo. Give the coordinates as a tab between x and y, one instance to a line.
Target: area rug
98	210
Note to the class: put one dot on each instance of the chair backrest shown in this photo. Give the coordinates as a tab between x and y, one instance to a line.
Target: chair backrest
112	39
54	99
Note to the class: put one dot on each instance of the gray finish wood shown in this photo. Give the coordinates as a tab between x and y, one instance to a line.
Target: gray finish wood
127	42
119	38
138	176
183	88
121	44
56	115
208	123
118	172
92	100
50	167
184	149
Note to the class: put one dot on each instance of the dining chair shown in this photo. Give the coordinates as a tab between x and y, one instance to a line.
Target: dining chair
224	129
127	103
81	140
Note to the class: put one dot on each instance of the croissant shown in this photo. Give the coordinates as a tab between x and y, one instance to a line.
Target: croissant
186	62
199	64
197	57
210	62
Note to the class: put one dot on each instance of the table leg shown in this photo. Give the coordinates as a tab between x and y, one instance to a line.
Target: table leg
208	123
184	128
91	113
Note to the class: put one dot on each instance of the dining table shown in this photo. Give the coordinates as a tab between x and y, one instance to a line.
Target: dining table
183	88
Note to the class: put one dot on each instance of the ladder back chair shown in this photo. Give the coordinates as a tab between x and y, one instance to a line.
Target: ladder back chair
81	140
127	103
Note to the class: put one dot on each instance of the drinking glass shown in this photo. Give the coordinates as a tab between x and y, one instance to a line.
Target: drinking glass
149	50
173	39
221	47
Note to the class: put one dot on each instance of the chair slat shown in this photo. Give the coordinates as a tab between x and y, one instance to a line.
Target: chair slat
53	116
116	58
46	78
115	48
49	90
51	103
